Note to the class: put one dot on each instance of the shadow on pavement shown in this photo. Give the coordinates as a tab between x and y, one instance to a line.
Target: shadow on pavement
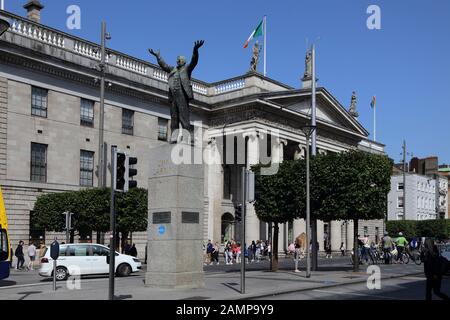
29	293
7	283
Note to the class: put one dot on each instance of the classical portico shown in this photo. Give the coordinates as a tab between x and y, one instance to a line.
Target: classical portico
267	127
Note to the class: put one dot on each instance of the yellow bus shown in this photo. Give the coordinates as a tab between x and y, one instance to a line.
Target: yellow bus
5	252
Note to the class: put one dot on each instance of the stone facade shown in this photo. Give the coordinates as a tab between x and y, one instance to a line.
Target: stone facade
34	55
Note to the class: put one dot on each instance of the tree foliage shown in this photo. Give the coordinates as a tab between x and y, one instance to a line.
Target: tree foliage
91	210
439	229
343	186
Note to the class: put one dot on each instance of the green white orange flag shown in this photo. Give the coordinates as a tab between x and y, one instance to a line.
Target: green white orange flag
256	33
374	102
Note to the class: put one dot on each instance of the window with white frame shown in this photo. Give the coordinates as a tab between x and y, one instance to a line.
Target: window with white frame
400	186
86	168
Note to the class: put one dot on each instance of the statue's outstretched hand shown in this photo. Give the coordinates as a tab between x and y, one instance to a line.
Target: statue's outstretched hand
198	44
155	53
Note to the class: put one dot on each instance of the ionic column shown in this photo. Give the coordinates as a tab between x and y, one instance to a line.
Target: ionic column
349	244
336	235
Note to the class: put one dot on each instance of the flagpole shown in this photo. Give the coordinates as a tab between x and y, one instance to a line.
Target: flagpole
375	121
265	41
313	99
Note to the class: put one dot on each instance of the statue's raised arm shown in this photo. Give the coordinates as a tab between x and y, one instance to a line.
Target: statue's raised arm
160	60
198	44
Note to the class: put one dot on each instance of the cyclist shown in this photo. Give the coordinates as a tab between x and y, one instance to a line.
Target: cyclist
401	245
387	245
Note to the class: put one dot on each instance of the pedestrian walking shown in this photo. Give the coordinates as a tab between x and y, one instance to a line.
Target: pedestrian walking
328	251
215	253
126	249
253	250
342	248
20	256
209	250
31	255
133	251
296	256
435	267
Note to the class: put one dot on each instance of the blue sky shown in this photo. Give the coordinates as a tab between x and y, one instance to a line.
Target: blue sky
406	64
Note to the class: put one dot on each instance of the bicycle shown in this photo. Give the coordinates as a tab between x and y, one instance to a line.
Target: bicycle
415	256
404	257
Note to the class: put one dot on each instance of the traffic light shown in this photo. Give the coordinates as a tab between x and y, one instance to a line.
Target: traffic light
121	162
238	212
130	173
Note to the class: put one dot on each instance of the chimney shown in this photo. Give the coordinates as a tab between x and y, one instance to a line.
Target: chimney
34	8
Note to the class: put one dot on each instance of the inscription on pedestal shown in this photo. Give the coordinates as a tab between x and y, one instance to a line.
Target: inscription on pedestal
161	217
190	217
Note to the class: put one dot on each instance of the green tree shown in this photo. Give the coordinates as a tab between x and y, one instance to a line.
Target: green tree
409	228
131	209
278	199
344	186
359	187
91	211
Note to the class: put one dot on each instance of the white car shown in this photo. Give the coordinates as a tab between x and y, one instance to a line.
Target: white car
86	259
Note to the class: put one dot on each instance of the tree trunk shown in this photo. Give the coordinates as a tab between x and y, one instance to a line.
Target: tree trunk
355	246
275	247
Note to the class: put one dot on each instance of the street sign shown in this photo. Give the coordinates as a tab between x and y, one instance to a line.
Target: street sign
54	254
54	250
162	230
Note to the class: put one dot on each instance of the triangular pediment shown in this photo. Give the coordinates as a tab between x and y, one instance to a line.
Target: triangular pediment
328	109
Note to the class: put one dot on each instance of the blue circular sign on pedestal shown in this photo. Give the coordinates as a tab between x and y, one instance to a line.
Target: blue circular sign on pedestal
161	229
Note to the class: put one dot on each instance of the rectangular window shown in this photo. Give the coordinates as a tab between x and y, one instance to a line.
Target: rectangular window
400	186
400	202
163	125
86	168
39	102
38	162
366	231
87	113
127	121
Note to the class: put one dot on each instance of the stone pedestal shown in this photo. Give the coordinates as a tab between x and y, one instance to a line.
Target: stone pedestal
175	219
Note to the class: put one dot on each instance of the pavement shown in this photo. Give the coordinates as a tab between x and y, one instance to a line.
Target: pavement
220	284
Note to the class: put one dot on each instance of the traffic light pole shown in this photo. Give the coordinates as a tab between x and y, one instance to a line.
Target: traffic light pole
112	246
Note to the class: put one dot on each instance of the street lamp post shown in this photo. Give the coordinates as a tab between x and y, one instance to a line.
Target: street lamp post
308	131
101	147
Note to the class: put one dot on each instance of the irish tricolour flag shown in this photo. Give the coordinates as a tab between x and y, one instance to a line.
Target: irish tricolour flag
374	102
256	33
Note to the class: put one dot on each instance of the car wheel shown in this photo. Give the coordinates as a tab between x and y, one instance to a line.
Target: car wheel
61	274
124	270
